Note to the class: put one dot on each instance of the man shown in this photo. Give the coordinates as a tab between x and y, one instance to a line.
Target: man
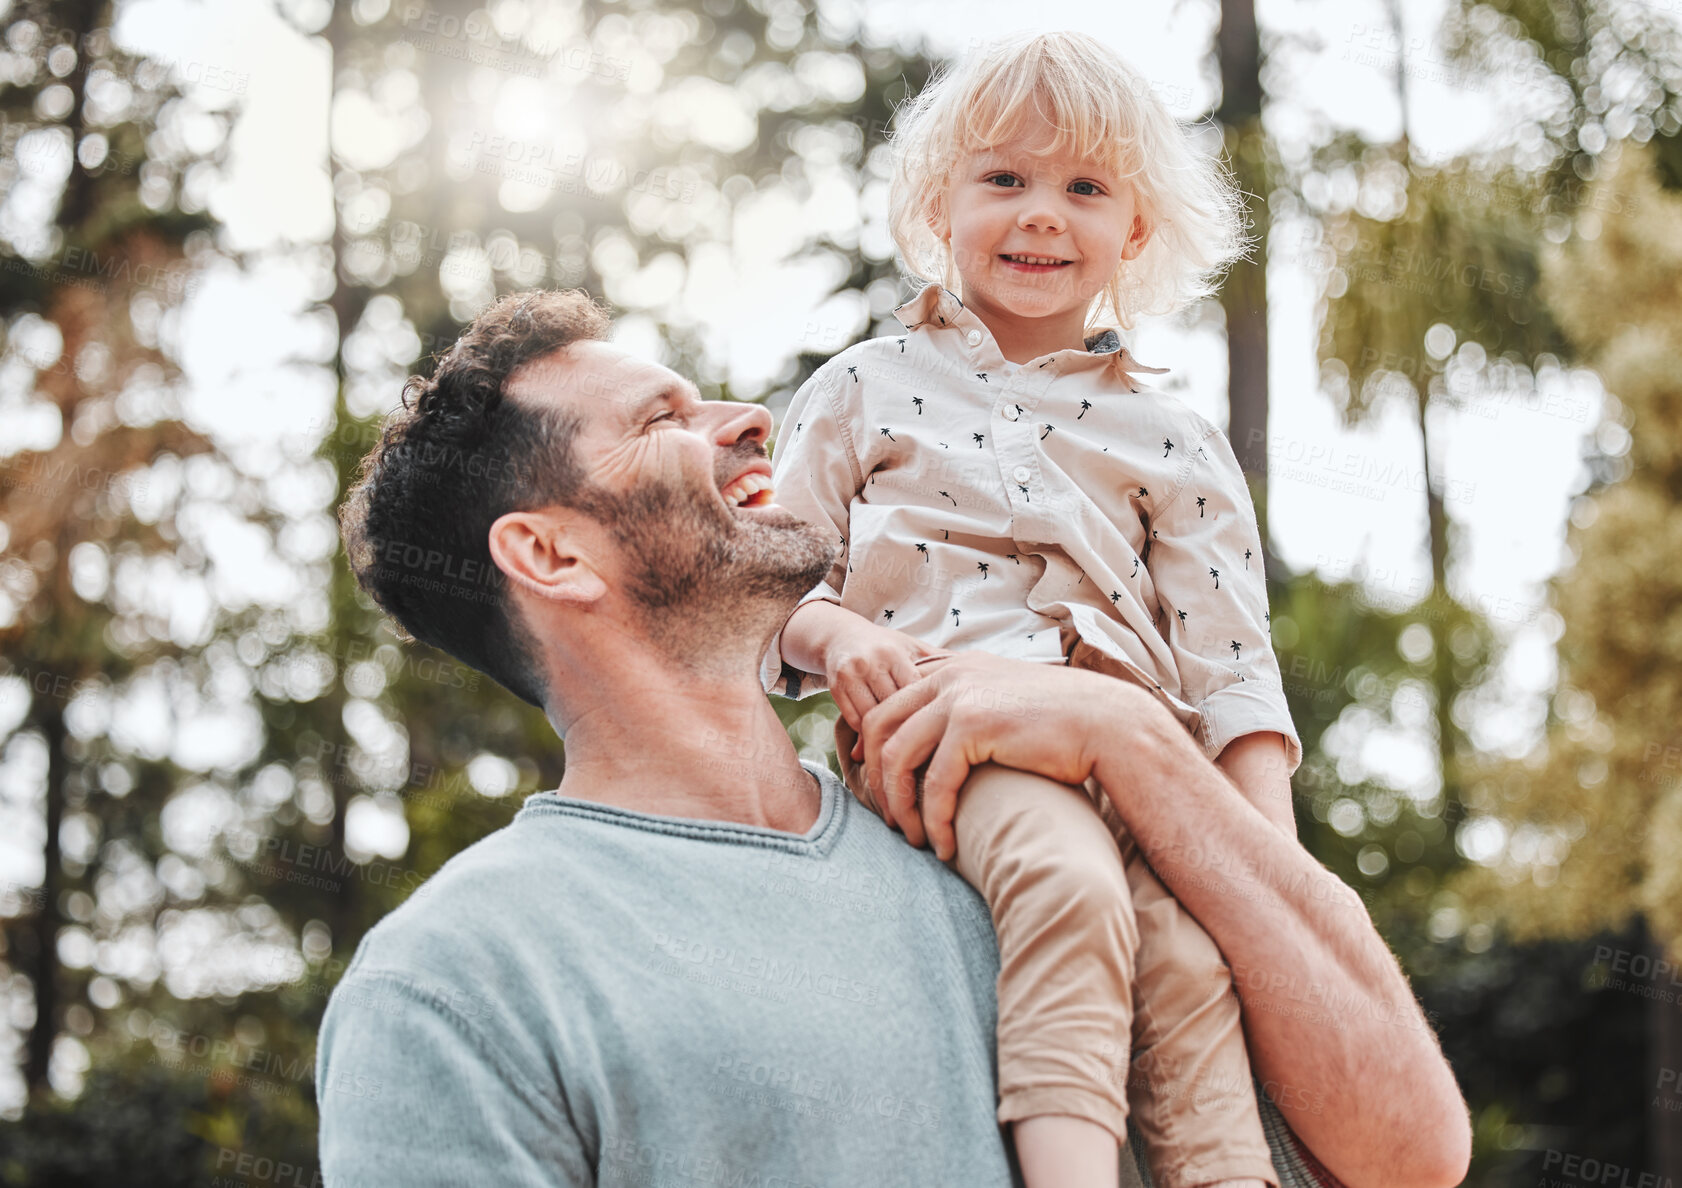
700	961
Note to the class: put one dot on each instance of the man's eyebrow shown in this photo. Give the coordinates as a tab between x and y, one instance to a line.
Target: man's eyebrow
666	393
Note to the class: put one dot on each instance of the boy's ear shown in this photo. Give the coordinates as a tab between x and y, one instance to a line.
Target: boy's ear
545	554
1137	238
938	222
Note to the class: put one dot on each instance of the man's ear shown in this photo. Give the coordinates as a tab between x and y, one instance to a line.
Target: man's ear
1138	237
543	553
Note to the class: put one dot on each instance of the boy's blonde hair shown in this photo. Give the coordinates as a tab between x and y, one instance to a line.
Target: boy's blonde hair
1103	111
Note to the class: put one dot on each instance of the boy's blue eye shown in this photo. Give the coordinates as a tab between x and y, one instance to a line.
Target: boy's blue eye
1007	179
1091	190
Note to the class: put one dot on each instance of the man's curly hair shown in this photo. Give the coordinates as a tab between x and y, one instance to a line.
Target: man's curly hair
458	454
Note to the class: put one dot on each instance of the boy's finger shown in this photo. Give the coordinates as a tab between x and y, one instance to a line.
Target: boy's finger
849	714
882	684
904	672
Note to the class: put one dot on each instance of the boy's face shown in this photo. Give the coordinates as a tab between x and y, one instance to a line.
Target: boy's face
1036	234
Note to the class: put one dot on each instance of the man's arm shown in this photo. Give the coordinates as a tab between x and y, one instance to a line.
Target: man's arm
412	1093
1327	1010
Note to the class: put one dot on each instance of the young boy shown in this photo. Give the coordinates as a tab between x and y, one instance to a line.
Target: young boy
1000	480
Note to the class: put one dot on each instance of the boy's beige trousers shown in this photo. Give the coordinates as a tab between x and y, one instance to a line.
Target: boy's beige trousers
1110	995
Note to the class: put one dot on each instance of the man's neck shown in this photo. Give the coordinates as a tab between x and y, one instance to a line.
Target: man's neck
689	746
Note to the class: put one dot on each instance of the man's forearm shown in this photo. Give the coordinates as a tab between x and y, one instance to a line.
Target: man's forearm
1334	1030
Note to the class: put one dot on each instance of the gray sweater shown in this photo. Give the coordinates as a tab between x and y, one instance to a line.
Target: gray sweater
598	996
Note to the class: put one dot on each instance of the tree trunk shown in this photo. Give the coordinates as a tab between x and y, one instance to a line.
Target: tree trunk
43	930
1664	1060
1244	296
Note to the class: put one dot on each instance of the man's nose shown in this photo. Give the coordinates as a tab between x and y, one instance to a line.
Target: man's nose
740	420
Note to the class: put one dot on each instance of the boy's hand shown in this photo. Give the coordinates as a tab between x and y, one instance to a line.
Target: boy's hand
866	664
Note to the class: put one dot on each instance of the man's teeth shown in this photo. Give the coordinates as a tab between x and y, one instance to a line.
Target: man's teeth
1036	259
745	488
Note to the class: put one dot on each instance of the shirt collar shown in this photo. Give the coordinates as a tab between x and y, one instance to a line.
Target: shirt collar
935	306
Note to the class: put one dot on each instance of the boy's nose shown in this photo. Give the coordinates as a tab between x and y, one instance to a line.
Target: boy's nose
1040	217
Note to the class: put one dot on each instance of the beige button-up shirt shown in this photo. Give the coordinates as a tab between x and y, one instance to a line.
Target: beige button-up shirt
1032	509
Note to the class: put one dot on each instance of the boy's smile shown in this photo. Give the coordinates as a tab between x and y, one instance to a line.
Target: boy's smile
1035	235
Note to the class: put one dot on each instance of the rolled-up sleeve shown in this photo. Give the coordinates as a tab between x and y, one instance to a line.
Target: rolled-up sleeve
816	474
1206	564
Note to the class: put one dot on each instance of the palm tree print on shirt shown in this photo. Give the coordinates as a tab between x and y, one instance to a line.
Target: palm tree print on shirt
923	549
1216	574
1084	405
1167	446
890	436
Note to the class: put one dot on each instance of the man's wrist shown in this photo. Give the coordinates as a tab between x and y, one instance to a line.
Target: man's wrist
1133	741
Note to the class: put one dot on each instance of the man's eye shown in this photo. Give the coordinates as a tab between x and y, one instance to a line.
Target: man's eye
1091	189
667	415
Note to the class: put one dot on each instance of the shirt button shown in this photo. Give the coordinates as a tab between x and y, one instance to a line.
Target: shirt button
973	338
1022	474
1008	412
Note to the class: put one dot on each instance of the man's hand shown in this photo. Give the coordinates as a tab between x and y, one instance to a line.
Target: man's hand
971	708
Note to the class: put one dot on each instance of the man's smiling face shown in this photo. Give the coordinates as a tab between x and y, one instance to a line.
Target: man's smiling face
682	484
